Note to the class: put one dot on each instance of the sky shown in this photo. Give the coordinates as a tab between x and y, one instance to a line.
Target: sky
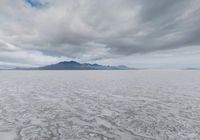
136	33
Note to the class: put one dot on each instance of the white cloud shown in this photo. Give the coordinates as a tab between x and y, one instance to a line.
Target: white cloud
93	30
11	53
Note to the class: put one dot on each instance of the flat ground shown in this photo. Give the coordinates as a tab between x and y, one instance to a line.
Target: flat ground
100	105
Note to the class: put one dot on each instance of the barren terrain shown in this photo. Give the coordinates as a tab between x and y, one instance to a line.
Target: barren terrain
100	105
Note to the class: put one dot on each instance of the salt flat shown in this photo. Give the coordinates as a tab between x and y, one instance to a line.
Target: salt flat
100	105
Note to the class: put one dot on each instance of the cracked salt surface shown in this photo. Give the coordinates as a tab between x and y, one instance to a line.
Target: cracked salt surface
100	105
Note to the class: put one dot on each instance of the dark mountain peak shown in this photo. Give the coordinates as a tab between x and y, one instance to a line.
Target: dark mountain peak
95	64
74	62
73	65
68	62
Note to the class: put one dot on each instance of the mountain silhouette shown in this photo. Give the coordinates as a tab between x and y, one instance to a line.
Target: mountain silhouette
73	65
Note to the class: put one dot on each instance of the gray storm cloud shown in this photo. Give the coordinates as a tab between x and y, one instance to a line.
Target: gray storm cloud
94	30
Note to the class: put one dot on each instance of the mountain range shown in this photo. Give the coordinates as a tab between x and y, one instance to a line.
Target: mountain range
73	65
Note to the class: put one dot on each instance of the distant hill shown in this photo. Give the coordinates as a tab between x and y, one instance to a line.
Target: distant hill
191	69
73	65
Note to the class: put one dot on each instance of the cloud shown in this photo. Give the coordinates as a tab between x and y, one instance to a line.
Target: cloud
93	30
186	57
10	53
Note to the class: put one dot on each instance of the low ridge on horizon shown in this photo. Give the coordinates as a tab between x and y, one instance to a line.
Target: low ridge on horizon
74	65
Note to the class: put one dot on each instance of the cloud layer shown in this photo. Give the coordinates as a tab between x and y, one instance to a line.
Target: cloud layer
96	31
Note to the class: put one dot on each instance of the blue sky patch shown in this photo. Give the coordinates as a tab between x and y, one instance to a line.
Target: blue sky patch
36	3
